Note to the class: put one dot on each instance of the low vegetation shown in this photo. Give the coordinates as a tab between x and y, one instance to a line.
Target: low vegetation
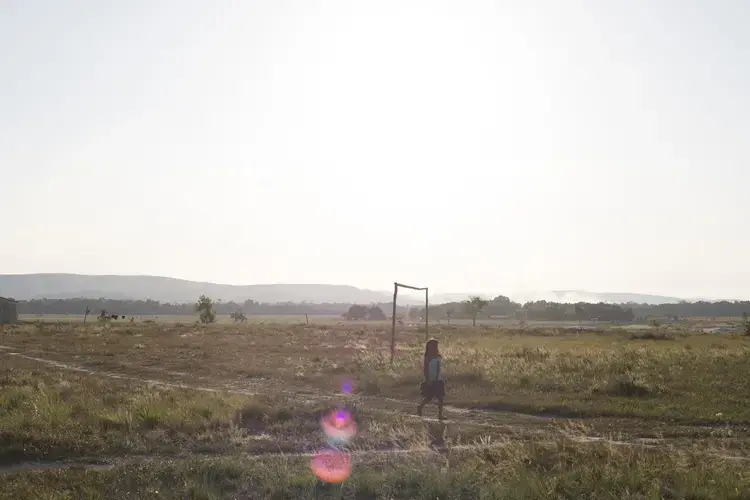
473	307
517	471
199	411
205	309
498	306
57	415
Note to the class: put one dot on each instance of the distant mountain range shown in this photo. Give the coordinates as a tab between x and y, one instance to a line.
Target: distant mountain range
61	286
162	289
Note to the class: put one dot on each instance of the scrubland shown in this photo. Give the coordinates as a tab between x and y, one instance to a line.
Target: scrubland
181	410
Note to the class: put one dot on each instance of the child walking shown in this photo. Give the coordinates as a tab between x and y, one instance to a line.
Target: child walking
433	386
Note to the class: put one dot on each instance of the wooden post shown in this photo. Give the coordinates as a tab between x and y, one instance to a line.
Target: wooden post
426	315
307	320
393	322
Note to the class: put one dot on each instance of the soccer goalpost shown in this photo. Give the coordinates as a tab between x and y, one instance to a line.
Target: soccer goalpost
396	286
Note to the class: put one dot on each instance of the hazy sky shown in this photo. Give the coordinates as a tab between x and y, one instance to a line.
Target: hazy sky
465	145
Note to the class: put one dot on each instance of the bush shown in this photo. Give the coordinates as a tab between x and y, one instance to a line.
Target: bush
238	317
205	308
629	386
651	336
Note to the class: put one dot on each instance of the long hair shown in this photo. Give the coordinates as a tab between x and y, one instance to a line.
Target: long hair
431	351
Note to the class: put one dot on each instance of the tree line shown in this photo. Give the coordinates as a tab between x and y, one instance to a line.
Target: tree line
473	308
543	310
155	308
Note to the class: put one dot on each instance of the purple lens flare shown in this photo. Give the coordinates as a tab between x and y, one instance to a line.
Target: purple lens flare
339	427
347	387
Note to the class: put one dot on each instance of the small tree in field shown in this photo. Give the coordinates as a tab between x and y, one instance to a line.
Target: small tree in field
238	317
474	306
205	309
103	316
746	323
356	312
375	313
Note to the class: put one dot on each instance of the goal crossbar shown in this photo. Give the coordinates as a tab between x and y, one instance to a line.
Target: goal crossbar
396	286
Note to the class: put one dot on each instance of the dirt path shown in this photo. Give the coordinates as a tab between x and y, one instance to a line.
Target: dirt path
308	394
361	455
88	371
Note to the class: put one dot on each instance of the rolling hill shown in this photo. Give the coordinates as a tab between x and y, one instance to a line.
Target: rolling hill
174	290
162	289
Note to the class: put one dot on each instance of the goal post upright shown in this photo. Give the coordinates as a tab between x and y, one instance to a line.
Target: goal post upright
396	286
426	315
393	323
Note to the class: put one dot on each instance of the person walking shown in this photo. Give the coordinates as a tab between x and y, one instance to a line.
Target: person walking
433	386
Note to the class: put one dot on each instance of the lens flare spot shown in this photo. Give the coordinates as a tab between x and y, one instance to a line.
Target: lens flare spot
338	426
331	466
347	387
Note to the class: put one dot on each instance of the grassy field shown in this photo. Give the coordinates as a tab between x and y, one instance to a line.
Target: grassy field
692	324
170	409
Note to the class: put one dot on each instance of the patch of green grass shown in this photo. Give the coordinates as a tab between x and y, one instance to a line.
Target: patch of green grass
652	336
49	415
517	471
673	375
687	379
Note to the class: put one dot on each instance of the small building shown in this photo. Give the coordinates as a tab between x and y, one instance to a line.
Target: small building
8	311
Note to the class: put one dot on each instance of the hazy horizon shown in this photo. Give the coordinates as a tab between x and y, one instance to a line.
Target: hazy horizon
482	147
518	295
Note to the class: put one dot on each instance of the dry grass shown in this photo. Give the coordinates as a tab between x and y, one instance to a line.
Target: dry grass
514	470
690	378
57	415
53	415
184	390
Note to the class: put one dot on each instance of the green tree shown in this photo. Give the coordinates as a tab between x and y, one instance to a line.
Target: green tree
356	312
473	307
375	313
205	309
238	317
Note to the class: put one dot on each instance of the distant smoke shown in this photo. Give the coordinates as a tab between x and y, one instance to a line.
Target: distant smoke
523	296
567	297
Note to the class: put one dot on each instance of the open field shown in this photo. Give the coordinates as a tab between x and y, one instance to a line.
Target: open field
181	318
179	410
689	324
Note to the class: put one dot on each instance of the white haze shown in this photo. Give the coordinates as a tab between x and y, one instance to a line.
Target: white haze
489	146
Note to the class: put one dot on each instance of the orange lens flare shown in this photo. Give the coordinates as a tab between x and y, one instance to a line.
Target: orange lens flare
331	466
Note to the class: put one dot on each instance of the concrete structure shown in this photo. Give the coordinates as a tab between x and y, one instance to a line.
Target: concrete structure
8	311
